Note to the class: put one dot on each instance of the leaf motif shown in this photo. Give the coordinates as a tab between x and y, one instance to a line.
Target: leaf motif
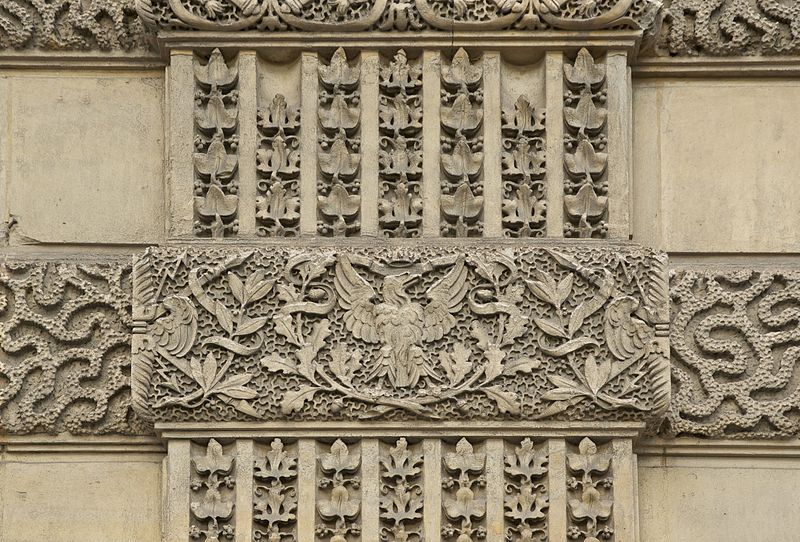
494	368
560	394
507	402
238	392
555	408
522	365
564	289
209	371
539	289
596	374
233	346
237	287
197	372
456	363
277	364
224	317
562	382
256	287
250	325
551	327
284	326
293	400
288	293
481	334
569	346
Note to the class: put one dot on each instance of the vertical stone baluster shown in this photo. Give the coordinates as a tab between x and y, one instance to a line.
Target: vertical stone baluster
370	141
308	144
432	490
554	177
492	143
557	487
625	491
431	144
370	490
180	78
176	500
620	144
306	488
243	510
495	489
248	141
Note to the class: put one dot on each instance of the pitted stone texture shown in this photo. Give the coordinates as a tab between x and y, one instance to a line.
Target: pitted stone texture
65	348
731	27
517	331
735	342
71	24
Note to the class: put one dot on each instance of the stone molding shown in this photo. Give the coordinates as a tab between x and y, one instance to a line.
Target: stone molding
523	332
679	28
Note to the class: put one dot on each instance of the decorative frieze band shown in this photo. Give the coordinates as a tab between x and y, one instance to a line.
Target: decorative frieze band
400	489
66	331
429	331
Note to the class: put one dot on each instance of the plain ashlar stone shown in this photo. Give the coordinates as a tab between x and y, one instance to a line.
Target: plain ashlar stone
718	499
717	165
80	497
85	156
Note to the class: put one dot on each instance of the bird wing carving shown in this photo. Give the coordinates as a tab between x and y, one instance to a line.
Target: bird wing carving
444	300
626	335
355	296
175	332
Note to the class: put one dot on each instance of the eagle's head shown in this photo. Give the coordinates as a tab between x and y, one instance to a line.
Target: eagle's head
394	287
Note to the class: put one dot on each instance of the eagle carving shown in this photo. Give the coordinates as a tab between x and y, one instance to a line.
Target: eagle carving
397	323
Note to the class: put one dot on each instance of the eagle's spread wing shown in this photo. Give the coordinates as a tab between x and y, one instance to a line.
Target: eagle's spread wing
355	296
626	335
444	300
175	332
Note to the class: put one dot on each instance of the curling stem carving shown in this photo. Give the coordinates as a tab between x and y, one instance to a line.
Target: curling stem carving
278	166
216	141
526	501
462	146
338	157
401	500
275	495
400	156
585	163
523	170
463	502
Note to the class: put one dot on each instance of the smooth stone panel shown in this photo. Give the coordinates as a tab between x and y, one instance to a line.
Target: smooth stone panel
716	165
685	499
85	154
71	497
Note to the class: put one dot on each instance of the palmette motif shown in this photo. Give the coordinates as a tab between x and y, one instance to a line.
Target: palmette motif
557	332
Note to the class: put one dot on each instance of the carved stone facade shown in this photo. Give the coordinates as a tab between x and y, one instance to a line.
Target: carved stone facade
65	335
559	332
734	336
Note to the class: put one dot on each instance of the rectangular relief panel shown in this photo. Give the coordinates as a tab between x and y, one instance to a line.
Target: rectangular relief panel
568	331
392	488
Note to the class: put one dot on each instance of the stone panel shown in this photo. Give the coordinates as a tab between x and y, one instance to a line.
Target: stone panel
716	166
459	332
77	497
85	157
718	498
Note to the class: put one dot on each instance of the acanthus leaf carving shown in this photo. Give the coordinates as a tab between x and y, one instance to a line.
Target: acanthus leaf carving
330	334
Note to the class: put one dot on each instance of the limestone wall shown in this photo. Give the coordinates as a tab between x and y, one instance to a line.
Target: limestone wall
88	177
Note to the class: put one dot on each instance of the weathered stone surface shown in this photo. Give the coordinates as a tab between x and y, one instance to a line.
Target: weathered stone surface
735	341
708	181
731	27
65	347
84	157
520	332
71	24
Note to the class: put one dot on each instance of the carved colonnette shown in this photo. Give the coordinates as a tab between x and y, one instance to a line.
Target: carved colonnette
65	335
735	339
